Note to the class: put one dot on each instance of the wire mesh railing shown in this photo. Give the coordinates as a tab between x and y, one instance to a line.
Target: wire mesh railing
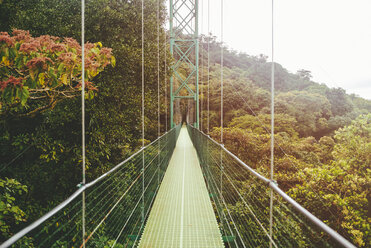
241	200
116	203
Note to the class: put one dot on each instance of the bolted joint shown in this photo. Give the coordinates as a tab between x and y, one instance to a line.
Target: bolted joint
80	185
273	182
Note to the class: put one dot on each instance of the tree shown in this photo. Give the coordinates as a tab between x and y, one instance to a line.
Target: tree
304	74
53	137
10	212
343	183
37	73
307	108
340	103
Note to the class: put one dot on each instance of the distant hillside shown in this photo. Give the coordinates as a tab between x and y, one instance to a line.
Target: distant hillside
322	136
319	110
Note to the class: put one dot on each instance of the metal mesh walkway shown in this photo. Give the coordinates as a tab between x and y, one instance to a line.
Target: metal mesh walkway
182	214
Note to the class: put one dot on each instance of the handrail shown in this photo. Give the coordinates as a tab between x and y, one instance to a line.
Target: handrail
56	209
273	185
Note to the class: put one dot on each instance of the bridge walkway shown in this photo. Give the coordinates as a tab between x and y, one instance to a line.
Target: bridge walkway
182	214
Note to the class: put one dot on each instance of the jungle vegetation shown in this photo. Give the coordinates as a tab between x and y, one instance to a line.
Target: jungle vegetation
323	135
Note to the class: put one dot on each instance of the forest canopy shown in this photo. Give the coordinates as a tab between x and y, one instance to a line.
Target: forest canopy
46	69
323	135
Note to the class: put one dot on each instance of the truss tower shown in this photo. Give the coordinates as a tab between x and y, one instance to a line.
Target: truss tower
184	47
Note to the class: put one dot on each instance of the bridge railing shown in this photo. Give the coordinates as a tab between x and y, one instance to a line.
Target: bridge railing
116	204
241	199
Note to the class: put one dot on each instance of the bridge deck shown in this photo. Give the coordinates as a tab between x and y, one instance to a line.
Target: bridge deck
182	214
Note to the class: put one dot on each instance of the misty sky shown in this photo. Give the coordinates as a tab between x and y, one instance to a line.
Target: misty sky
331	38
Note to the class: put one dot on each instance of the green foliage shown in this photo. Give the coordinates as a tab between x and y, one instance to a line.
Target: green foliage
43	151
310	110
10	212
330	177
322	149
260	124
45	70
320	170
343	183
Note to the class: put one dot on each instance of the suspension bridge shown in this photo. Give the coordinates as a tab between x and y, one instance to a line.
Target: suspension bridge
184	189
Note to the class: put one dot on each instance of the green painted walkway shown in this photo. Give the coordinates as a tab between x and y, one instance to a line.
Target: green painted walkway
182	214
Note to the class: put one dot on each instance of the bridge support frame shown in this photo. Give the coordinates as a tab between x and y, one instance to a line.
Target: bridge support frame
184	46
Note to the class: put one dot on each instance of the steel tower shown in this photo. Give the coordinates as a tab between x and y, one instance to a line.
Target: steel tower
184	47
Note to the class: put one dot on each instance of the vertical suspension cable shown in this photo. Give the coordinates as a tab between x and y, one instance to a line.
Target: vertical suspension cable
208	83
143	111
83	113
221	71
202	62
221	98
158	87
165	81
272	135
208	66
